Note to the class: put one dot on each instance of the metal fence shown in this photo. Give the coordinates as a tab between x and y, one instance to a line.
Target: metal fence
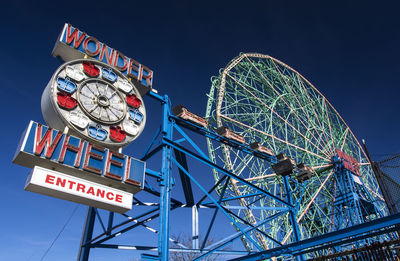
389	168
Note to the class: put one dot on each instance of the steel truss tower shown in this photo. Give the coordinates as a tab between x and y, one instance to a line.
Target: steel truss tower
265	219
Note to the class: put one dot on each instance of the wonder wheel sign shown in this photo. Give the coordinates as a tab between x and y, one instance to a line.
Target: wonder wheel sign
93	108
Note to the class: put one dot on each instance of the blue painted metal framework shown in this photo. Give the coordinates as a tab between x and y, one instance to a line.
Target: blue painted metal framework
174	153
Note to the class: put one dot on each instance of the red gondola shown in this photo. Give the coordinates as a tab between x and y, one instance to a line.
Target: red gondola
227	133
181	112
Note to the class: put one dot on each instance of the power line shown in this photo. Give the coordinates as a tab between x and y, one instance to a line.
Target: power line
59	233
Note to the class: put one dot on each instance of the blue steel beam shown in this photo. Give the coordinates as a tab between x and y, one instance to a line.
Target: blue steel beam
84	249
329	238
139	223
165	183
214	136
109	235
292	213
110	222
218	205
200	202
348	241
153	141
251	225
185	181
182	250
237	197
214	216
226	172
237	235
191	142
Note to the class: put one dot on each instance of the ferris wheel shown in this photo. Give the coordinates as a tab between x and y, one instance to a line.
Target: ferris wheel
275	109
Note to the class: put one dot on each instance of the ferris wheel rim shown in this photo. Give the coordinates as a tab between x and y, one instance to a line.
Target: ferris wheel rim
233	63
330	119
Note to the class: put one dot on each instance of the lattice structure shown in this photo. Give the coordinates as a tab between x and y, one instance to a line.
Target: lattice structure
266	101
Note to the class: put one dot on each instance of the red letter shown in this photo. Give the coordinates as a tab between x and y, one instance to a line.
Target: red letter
74	36
108	195
89	154
46	141
80	187
66	146
50	179
85	46
90	191
100	193
136	67
118	198
109	57
71	184
147	75
116	163
61	182
125	64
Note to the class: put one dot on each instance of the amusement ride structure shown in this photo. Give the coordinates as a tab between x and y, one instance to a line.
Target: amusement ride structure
290	176
284	176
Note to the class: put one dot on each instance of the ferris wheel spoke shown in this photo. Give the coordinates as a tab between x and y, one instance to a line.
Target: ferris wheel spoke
274	137
90	89
375	193
279	116
295	97
344	139
314	196
315	113
261	177
308	206
321	166
281	96
329	124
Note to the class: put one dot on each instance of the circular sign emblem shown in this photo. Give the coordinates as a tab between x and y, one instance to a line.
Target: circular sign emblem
95	102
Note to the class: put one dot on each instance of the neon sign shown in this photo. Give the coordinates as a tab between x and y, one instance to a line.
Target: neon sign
93	108
50	148
74	44
349	162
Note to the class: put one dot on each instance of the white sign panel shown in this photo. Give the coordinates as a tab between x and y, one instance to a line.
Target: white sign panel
59	185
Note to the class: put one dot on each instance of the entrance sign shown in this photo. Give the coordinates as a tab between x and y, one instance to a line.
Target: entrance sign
51	149
96	102
56	184
93	107
74	44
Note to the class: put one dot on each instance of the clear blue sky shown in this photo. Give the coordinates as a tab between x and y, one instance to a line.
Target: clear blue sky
349	50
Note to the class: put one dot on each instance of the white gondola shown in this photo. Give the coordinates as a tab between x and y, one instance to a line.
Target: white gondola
130	127
258	147
79	119
181	112
74	73
124	85
227	133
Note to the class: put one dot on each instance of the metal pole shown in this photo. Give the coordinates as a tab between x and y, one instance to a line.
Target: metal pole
195	227
84	248
292	214
382	185
165	183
